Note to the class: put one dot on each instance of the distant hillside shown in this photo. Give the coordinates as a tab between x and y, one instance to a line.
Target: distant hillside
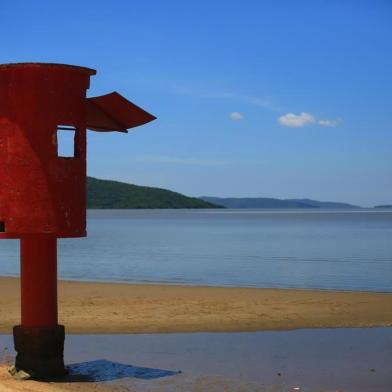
256	202
113	194
106	194
325	204
384	206
263	202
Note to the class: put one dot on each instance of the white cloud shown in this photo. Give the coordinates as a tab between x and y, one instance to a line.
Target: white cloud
300	120
236	116
328	123
296	120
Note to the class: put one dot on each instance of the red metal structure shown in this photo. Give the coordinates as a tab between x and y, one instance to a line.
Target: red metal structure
43	194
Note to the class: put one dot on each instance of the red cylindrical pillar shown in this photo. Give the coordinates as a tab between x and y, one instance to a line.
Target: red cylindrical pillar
39	340
38	279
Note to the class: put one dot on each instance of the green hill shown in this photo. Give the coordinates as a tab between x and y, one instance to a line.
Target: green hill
102	194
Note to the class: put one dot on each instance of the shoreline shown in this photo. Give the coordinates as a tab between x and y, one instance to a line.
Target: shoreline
121	308
217	286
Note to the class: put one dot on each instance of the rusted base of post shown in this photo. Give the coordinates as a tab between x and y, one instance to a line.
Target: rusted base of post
40	351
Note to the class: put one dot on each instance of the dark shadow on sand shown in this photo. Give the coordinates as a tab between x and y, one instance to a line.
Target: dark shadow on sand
104	370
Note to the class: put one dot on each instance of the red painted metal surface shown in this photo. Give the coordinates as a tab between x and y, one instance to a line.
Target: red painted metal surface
38	281
113	112
42	194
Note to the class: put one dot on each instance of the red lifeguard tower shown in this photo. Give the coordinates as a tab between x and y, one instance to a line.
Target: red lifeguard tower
43	194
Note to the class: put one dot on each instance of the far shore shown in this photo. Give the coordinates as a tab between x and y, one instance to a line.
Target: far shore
92	308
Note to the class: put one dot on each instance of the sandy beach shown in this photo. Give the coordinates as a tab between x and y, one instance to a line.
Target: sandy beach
128	308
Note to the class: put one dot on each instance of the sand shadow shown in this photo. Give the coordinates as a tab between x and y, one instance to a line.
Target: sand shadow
104	370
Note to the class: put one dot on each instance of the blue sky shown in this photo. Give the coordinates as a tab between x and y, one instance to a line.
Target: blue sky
253	98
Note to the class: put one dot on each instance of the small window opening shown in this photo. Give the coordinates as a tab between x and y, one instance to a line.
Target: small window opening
66	141
2	226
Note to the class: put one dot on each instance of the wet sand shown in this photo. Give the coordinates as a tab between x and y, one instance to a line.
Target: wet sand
126	308
313	360
190	384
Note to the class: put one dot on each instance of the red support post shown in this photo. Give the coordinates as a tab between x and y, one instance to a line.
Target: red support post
38	279
43	193
39	340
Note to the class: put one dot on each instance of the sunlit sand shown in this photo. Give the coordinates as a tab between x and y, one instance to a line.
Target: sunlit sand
126	308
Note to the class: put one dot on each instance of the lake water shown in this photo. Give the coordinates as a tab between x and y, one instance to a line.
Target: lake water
346	249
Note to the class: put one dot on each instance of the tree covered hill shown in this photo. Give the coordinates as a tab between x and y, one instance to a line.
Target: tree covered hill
107	194
102	194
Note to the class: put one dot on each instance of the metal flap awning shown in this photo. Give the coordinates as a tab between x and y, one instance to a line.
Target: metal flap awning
113	112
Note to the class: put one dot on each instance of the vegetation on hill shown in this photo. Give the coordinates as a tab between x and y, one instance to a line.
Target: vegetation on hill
106	194
103	194
384	206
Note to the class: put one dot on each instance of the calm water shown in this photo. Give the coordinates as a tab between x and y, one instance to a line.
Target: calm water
350	250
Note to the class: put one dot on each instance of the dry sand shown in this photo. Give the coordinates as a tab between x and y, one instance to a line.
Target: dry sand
126	308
